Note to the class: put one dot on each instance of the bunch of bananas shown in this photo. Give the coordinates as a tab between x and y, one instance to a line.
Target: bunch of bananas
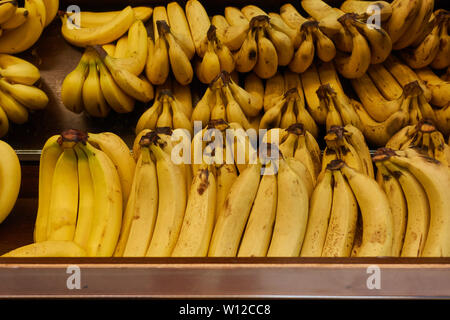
167	110
10	179
284	104
22	27
172	47
18	93
415	187
225	99
110	77
84	182
425	138
349	145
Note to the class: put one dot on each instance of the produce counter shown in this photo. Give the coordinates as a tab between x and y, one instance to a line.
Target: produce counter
382	277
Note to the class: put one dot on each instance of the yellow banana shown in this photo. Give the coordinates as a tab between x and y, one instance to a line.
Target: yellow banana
7	10
199	24
247	56
310	83
364	8
179	118
384	81
325	14
356	138
326	50
90	19
440	89
49	249
277	22
30	96
10	179
209	67
234	110
16	112
283	45
267	57
403	17
274	89
158	67
19	17
51	8
304	55
291	16
180	28
93	99
442	59
121	47
18	70
149	118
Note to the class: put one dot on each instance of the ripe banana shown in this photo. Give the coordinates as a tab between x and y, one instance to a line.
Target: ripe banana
90	19
304	55
10	179
18	70
19	17
171	204
365	8
93	99
325	14
199	24
180	28
440	89
22	38
247	56
7	10
442	59
106	33
30	96
267	61
16	112
51	8
282	43
233	215
403	16
310	83
50	249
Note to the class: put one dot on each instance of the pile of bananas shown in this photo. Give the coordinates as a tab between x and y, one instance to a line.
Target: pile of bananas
19	94
21	28
84	184
10	179
225	99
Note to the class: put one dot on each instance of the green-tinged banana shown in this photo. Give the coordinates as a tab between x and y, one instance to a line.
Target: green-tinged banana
233	215
49	249
19	17
319	215
86	200
397	203
30	96
23	37
292	214
16	112
199	24
434	178
136	87
93	99
258	231
18	70
171	204
107	220
145	207
418	216
106	33
376	213
10	179
247	56
63	209
355	64
198	222
342	223
50	154
267	57
305	53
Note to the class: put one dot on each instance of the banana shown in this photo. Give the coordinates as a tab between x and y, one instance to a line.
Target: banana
90	19
149	118
292	213
434	178
137	49
121	47
274	89
159	14
325	14
107	219
282	43
198	222
443	119
110	49
199	24
49	249
18	70
267	62
16	112
232	35
235	17
180	28
418	211
179	118
118	100
251	11
72	85
319	215
397	203
93	99
384	81
119	153
404	74
375	104
291	16
288	118
378	39
272	118
345	109
247	56
165	118
158	66
209	67
10	179
326	50
30	96
86	199
310	83
7	10
353	65
303	154
304	55
171	204
258	231
249	99
63	208
426	52
4	123
364	8
356	138
145	206
136	87
403	16
233	109
375	211
277	22
226	57
51	8
106	33
50	154
421	19
342	222
233	215
440	89
19	17
442	59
